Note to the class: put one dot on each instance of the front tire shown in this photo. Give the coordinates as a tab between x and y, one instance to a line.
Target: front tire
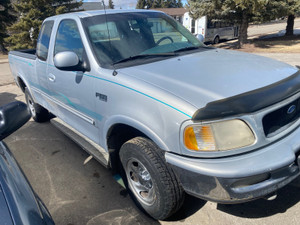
38	113
151	182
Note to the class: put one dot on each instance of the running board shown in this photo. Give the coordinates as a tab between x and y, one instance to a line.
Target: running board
88	145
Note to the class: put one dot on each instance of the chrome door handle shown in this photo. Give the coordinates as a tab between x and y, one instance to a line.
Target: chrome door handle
51	77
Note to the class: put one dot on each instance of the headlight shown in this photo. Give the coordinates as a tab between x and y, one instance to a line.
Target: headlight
218	136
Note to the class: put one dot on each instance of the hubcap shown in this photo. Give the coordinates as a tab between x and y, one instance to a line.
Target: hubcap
140	181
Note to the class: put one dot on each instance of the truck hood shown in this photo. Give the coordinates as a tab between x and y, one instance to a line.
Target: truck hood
211	75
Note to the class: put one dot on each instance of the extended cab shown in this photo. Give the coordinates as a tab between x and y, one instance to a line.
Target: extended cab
143	96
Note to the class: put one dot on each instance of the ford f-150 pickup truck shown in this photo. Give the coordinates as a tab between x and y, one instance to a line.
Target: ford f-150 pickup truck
147	99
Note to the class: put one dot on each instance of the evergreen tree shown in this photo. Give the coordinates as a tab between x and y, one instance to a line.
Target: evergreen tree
157	4
241	12
149	3
179	4
111	4
281	8
24	33
6	19
141	4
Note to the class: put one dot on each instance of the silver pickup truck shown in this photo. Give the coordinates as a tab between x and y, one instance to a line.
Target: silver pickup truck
145	98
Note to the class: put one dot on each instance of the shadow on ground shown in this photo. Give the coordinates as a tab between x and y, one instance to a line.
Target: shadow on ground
286	198
190	206
266	42
262	42
6	97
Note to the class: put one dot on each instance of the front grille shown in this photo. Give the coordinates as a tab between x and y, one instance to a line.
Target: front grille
277	121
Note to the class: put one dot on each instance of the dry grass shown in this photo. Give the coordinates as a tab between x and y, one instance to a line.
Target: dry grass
269	45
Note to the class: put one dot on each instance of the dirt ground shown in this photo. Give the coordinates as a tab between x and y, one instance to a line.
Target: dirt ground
283	44
3	56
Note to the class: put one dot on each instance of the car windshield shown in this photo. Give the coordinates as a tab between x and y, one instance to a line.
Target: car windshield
121	37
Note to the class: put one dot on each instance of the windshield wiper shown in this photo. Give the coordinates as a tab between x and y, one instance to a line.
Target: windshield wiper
145	56
187	49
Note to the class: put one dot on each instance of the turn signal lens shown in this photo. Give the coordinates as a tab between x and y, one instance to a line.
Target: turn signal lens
199	138
190	139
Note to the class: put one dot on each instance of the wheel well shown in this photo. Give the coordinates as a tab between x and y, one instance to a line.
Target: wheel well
117	136
21	83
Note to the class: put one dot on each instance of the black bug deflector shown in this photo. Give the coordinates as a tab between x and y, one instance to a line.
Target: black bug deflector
250	102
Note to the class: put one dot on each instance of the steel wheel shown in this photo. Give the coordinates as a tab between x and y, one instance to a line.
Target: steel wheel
150	181
217	40
38	113
140	181
31	107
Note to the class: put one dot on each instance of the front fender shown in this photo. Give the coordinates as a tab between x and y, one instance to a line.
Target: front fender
120	119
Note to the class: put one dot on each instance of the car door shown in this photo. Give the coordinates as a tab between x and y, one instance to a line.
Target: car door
39	83
73	91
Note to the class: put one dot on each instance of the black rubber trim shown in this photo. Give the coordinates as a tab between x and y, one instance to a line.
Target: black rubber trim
250	102
27	53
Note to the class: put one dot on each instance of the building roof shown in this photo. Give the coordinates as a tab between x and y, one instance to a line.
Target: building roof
173	11
92	6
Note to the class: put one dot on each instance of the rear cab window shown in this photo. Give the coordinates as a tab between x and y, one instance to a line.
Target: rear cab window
44	40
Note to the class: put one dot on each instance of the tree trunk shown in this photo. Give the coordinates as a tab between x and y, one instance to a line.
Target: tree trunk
290	25
2	48
243	33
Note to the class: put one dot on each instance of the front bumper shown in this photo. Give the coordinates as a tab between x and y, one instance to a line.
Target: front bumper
243	177
235	190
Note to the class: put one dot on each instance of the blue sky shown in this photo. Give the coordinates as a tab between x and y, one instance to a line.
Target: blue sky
124	4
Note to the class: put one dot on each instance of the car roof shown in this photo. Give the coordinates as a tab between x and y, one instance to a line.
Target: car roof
84	14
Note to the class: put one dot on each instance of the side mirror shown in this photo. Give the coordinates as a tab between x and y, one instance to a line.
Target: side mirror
200	37
12	116
69	61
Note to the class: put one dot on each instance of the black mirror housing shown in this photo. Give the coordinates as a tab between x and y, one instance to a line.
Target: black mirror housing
13	116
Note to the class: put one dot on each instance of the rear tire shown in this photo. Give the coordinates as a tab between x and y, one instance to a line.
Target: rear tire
151	182
217	40
38	113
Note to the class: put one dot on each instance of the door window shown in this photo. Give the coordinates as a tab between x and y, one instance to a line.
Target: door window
68	38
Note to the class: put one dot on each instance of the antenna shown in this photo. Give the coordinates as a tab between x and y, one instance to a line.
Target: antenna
110	46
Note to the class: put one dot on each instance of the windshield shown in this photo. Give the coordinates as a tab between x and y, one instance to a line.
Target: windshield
124	36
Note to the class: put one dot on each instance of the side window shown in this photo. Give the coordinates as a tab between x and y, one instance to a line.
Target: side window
68	38
43	40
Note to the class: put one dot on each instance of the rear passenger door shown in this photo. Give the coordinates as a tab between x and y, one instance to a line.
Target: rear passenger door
73	92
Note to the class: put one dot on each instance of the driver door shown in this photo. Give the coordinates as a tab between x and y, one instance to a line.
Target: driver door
73	92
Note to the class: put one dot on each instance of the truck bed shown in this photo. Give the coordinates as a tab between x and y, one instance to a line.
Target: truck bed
27	53
22	65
